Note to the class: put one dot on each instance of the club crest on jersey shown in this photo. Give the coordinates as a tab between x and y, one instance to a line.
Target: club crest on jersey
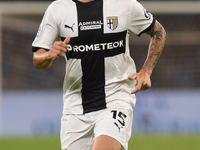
112	22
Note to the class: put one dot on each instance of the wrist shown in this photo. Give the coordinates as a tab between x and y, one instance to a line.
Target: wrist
147	71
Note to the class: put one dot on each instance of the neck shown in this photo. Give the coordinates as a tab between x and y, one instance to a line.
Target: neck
85	1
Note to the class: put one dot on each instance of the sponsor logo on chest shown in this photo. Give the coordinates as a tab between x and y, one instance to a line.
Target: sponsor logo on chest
95	47
112	23
90	25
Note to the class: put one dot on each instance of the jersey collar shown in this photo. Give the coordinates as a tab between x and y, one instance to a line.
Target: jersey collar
88	3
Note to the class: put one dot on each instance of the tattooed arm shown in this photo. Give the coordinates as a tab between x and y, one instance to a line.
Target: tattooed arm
158	37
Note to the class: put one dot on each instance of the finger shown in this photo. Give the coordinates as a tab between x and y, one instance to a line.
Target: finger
135	90
59	48
56	53
67	40
145	87
61	54
133	77
63	49
51	55
130	78
138	87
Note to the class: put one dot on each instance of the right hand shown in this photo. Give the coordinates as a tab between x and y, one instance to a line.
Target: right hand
58	49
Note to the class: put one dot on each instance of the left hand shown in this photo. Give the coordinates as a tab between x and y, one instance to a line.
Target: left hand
143	81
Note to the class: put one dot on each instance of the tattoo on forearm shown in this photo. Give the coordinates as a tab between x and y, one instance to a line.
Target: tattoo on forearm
155	48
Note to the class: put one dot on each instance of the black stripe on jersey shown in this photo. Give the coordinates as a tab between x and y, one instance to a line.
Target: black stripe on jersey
93	60
35	49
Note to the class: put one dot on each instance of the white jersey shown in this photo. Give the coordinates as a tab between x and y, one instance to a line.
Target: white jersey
98	61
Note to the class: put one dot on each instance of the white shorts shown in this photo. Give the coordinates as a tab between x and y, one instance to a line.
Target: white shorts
78	132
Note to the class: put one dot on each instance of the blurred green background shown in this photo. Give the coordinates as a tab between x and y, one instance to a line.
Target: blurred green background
145	142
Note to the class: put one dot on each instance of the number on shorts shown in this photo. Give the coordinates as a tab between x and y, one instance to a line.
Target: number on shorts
120	117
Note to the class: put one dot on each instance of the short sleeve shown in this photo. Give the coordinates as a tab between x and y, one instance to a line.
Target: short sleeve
140	19
47	32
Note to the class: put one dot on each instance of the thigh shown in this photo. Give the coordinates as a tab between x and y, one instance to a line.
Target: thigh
115	123
104	142
76	133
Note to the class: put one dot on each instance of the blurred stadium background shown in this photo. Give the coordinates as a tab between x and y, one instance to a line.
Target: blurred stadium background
31	99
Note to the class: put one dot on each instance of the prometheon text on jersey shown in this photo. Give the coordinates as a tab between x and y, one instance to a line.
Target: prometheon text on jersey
95	47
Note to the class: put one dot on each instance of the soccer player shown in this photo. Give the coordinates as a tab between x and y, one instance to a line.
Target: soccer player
101	79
